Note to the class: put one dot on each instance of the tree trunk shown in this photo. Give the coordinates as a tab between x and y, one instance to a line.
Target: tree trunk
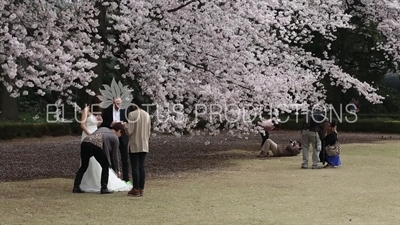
337	102
9	105
96	83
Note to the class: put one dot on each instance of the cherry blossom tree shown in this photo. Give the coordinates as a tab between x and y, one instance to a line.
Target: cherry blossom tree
220	60
230	55
47	45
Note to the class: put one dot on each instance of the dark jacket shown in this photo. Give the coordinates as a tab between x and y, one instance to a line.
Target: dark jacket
108	119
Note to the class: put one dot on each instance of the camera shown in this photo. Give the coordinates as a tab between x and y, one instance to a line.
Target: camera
293	143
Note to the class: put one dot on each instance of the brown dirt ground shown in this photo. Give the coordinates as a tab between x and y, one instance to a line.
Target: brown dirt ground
49	157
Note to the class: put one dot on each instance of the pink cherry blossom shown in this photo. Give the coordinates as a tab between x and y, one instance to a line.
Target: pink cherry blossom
46	44
219	60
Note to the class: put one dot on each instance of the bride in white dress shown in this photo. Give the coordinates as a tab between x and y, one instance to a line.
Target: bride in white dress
91	179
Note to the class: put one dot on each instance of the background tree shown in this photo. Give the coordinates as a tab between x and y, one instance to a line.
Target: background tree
359	52
368	52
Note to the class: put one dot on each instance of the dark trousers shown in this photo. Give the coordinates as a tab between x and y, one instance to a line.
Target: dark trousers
264	138
138	170
322	154
123	150
88	150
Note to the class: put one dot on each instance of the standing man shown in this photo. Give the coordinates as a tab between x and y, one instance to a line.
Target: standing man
313	132
102	144
112	115
138	130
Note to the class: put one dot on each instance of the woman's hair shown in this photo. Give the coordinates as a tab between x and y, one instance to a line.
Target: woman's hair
118	127
333	122
138	100
94	105
332	125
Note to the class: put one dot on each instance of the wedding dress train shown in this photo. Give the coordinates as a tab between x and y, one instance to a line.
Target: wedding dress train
91	179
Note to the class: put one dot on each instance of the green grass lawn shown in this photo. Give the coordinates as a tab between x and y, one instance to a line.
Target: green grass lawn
365	190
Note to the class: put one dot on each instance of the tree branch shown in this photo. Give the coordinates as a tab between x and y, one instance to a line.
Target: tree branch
203	67
181	6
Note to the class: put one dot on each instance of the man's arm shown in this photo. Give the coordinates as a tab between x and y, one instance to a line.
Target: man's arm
125	113
323	130
335	136
130	126
293	150
149	129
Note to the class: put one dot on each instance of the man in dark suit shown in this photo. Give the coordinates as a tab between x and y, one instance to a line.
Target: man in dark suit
114	114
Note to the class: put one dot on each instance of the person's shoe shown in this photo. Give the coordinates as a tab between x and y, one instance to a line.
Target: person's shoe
133	192
262	154
317	167
129	183
106	191
328	166
77	190
141	192
304	167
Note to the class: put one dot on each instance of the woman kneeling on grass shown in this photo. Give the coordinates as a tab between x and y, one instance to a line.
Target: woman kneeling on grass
329	140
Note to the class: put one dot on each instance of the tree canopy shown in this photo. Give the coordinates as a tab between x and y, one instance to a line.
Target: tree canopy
196	57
